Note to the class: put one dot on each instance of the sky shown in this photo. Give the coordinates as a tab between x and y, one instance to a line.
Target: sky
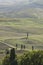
11	2
6	2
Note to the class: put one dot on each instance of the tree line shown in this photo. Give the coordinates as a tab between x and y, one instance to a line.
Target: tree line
29	58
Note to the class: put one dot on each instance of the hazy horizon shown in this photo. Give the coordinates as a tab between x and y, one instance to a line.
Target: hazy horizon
11	2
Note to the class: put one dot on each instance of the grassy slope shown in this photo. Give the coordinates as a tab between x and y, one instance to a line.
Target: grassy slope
14	31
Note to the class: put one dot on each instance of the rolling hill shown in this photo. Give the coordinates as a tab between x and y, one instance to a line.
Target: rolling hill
19	18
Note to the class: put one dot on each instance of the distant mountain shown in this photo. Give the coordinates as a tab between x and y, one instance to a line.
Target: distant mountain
21	9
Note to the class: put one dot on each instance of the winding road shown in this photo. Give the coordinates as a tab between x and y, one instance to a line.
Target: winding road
11	46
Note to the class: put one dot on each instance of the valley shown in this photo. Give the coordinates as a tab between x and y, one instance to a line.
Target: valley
14	31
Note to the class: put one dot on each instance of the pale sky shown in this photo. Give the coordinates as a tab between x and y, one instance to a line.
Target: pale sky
11	2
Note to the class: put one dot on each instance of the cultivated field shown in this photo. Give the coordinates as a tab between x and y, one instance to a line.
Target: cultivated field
14	31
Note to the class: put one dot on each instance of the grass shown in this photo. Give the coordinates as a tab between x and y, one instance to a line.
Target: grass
0	63
14	31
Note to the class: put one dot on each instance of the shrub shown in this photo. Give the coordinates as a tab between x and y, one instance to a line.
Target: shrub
10	59
6	61
32	58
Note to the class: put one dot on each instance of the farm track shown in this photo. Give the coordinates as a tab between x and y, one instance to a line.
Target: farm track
9	45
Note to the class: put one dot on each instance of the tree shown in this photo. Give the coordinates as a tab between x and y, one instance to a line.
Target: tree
32	58
10	59
13	60
24	47
32	47
16	46
21	46
27	35
6	60
12	54
7	51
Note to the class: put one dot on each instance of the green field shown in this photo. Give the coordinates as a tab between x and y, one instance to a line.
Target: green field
14	31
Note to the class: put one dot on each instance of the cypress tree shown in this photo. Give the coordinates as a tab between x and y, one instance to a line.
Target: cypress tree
12	54
13	60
